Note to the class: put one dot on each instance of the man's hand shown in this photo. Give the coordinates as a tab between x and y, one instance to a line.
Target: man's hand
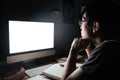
79	44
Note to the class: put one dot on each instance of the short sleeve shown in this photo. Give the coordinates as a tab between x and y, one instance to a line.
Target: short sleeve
93	62
103	60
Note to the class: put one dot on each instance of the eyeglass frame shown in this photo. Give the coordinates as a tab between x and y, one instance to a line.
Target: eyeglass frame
89	20
80	21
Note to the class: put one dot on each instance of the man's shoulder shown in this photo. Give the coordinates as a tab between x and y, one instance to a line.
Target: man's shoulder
112	43
115	44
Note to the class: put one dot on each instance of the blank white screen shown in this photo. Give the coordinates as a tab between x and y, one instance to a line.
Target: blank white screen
28	36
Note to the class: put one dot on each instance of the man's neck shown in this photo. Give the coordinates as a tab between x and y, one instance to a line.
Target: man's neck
98	40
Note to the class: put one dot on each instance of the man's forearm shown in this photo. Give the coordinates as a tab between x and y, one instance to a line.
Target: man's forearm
77	45
70	65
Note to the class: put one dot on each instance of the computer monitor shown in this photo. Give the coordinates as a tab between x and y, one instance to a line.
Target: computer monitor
30	40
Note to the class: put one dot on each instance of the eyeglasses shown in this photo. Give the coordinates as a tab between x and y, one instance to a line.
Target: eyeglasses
81	21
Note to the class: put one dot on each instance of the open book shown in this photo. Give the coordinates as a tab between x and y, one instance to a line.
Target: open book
55	71
36	71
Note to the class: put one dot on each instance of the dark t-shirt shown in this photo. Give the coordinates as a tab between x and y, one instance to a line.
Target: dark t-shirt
104	62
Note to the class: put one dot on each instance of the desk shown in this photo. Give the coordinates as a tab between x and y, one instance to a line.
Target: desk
39	68
32	72
15	75
54	69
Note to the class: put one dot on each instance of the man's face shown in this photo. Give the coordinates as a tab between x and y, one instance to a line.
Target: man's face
85	30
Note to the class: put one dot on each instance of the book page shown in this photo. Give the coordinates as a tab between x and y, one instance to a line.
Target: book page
38	77
36	71
56	70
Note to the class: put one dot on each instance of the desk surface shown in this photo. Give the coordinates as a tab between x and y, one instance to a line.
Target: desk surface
38	69
34	75
15	75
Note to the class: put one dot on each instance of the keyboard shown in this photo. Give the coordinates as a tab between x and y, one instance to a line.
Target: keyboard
37	70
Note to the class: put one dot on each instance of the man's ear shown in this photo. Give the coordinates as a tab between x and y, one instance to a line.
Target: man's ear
95	26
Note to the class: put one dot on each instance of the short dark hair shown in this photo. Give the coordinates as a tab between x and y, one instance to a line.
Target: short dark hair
105	13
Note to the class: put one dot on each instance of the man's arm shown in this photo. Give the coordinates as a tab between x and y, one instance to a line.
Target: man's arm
70	71
78	74
70	66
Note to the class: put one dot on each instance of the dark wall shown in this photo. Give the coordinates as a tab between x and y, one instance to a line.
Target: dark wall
29	9
37	10
26	10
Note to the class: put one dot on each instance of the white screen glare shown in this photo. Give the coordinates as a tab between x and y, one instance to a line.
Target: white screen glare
28	36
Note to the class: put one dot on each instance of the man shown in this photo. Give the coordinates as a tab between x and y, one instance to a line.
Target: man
102	62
